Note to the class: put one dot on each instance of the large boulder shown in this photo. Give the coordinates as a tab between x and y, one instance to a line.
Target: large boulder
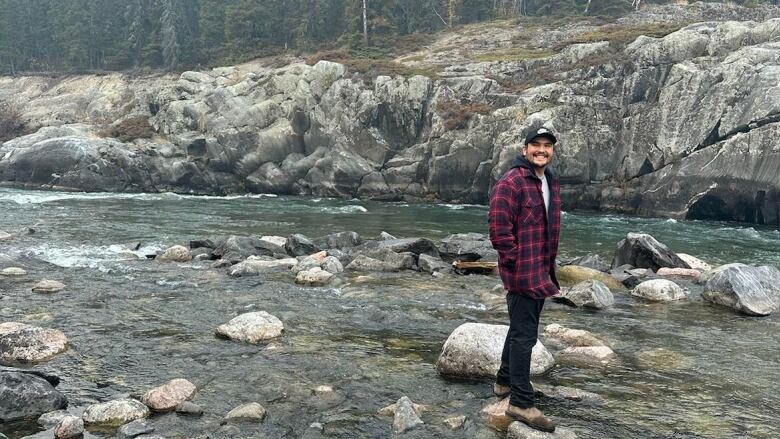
253	327
430	264
589	294
115	413
22	343
658	290
27	395
473	350
407	245
467	247
643	251
750	290
237	248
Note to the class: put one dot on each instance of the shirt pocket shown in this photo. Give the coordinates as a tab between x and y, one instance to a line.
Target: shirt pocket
532	211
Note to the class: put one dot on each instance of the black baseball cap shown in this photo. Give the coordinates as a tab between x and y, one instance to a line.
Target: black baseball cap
540	132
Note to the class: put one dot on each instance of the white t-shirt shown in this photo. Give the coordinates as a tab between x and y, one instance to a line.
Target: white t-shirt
545	194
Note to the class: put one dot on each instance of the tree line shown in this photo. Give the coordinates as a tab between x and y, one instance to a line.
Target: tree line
97	35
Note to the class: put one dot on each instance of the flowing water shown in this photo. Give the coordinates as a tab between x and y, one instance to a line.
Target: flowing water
687	370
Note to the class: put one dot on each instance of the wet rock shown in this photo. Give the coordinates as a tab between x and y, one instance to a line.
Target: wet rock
473	350
365	263
663	360
13	272
69	427
518	430
406	417
221	263
587	356
116	412
177	253
567	393
626	276
595	262
643	251
133	429
166	397
495	416
280	241
202	254
588	294
255	265
202	243
314	260
574	274
253	327
391	409
315	277
25	395
689	273
51	419
430	264
247	412
5	236
694	262
750	290
467	247
408	245
658	290
237	248
48	286
338	240
300	245
455	422
332	264
21	343
571	337
188	408
386	236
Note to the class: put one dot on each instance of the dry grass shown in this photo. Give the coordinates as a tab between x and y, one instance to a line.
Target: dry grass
457	115
370	68
621	36
130	129
513	54
11	125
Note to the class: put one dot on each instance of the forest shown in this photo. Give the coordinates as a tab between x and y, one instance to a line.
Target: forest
76	36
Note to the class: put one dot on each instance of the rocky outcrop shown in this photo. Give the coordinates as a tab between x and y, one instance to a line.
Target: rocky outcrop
750	290
681	126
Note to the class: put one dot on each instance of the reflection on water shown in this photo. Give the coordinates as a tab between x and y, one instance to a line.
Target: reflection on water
687	370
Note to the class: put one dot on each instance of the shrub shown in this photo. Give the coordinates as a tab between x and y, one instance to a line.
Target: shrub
457	115
11	124
132	128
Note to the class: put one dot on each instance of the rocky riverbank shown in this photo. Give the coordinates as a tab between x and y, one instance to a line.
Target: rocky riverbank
653	274
681	125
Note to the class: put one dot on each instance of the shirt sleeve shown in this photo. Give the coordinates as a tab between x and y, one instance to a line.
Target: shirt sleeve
503	209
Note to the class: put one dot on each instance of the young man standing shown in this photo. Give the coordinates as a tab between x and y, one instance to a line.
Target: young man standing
525	223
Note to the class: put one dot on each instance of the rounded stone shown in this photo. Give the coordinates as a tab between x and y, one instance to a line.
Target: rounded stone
166	397
47	286
116	412
250	412
253	327
658	290
69	427
177	253
22	343
13	272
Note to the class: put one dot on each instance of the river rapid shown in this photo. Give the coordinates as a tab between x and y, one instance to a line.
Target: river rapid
687	370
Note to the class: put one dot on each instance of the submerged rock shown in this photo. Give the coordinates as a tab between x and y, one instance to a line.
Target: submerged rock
332	264
495	415
587	356
253	327
406	417
473	350
659	290
518	430
588	294
116	412
166	397
568	393
643	251
573	274
595	262
48	286
750	290
455	422
188	408
572	337
133	429
25	395
247	412
22	343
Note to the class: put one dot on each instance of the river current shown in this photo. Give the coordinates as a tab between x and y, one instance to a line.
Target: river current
686	370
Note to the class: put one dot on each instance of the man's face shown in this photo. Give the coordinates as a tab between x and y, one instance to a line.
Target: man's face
539	151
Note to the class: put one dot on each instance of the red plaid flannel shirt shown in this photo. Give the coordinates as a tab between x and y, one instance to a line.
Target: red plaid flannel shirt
526	239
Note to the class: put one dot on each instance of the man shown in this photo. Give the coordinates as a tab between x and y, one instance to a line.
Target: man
525	220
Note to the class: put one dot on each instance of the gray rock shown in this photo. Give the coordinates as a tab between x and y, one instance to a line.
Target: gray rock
587	356
69	427
48	286
189	408
588	294
467	247
571	337
365	263
473	350
24	395
518	430
644	251
567	393
168	396
338	240
116	412
177	253
595	262
658	290
332	264
314	277
254	266
51	419
133	429
406	417
314	260
253	327
247	412
386	236
408	245
299	245
237	248
430	264
22	343
750	290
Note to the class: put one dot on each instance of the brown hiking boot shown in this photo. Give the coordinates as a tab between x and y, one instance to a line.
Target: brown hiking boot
531	417
501	391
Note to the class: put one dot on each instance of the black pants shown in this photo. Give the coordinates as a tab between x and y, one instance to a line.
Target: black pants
515	370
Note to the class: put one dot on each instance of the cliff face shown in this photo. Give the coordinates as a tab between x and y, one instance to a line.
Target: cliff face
683	126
